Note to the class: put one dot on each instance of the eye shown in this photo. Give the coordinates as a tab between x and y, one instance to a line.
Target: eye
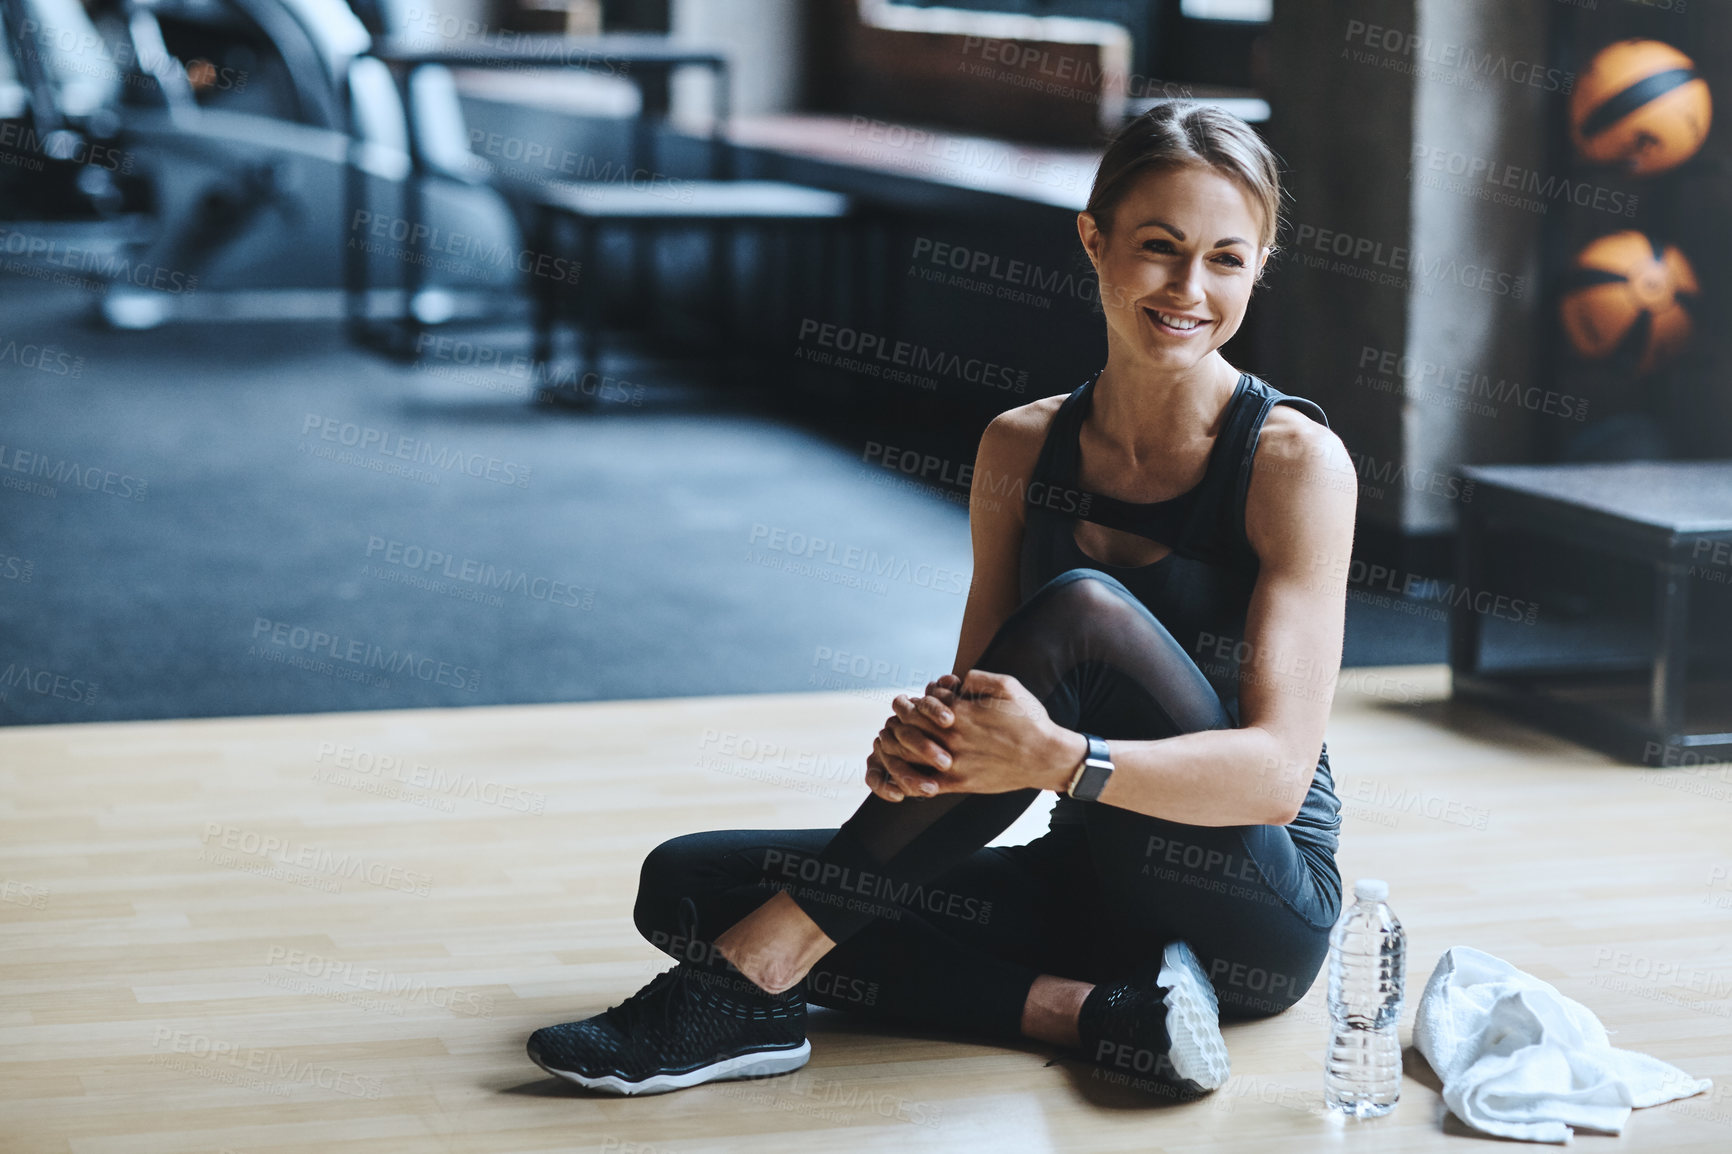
1232	260
1158	244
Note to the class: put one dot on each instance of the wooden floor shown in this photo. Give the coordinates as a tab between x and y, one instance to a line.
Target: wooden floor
333	933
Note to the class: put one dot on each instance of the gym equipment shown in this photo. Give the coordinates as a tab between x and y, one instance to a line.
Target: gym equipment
420	66
1628	296
570	281
763	203
235	116
1640	104
58	81
1659	704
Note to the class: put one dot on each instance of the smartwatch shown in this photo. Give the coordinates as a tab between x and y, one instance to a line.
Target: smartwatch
1091	776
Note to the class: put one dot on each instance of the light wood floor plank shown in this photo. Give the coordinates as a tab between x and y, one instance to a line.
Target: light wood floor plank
439	883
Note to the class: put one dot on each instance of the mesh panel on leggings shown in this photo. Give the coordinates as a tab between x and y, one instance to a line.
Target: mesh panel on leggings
1082	639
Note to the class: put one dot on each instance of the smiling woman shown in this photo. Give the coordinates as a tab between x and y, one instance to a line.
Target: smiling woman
1153	632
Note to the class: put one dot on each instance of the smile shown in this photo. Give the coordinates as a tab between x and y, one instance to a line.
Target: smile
1174	323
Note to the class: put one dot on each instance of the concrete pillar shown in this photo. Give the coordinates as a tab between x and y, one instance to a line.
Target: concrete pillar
763	42
1408	286
1472	313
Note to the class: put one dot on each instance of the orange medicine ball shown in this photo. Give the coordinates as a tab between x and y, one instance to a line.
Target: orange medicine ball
1627	292
1641	105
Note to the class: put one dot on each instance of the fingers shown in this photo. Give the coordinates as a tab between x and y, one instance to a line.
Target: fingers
916	734
999	693
929	712
946	685
911	743
878	780
909	779
981	681
905	777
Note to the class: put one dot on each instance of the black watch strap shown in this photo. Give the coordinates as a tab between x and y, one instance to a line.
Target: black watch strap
1097	766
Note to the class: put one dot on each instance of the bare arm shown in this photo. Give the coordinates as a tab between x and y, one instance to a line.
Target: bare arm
1002	468
1299	519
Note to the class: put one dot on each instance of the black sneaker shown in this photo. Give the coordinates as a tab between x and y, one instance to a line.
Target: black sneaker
1162	1035
687	1026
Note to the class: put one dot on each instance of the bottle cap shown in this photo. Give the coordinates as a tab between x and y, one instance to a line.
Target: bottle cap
1370	889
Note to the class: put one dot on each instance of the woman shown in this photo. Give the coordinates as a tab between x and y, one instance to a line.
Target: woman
1153	631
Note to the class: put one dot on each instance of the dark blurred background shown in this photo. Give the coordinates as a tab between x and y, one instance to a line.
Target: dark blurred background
278	433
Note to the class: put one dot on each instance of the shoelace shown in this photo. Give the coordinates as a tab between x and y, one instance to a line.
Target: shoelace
677	986
1136	1004
670	986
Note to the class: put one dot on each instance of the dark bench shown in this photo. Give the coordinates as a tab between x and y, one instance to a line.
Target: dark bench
553	208
1670	705
587	208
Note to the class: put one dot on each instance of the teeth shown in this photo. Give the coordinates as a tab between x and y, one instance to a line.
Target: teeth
1177	322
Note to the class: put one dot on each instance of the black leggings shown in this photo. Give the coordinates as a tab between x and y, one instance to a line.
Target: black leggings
935	927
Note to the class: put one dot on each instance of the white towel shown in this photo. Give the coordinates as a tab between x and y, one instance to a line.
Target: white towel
1520	1060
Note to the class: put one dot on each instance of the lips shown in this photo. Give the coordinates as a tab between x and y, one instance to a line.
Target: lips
1175	322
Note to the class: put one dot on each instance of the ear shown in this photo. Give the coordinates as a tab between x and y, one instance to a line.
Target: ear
1091	236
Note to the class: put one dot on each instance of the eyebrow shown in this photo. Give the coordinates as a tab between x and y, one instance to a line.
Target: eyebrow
1222	243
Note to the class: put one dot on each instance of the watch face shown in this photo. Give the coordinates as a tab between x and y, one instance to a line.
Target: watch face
1097	766
1094	779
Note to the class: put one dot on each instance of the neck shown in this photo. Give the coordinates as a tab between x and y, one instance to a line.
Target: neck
1148	414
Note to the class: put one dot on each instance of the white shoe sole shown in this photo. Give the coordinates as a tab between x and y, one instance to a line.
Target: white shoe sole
759	1064
1198	1053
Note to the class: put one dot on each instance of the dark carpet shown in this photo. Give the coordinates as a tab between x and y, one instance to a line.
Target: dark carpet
259	519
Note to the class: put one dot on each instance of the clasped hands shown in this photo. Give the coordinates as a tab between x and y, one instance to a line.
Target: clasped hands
983	734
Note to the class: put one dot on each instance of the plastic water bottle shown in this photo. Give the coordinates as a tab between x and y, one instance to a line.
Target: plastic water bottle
1367	970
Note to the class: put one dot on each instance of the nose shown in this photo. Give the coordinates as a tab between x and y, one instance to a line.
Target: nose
1187	282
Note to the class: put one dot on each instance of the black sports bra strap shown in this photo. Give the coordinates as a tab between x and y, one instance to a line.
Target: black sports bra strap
1057	463
1241	489
1186	522
1217	491
1305	405
1201	522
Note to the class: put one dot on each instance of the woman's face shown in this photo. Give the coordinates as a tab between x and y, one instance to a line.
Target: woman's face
1177	267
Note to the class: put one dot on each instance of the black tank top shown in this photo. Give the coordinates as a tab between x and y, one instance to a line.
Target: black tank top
1202	589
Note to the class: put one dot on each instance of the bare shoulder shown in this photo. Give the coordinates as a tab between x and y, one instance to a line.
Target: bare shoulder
1016	435
1303	498
1301	454
1005	465
1304	494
